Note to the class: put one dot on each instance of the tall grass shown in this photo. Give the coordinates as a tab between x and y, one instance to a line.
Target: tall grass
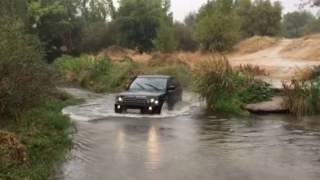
214	80
308	74
302	97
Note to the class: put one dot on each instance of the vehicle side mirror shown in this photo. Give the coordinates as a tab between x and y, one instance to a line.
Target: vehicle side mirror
172	88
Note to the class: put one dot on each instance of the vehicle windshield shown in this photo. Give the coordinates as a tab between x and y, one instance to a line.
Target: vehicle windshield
148	84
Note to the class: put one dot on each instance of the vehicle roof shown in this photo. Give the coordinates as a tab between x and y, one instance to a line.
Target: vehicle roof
155	76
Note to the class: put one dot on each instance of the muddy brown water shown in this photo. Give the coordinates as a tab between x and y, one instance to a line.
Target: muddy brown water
188	145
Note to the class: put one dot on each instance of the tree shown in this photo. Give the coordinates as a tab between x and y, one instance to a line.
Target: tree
97	36
13	9
61	24
259	18
184	38
165	40
244	10
295	23
54	21
139	20
190	20
313	27
310	2
24	78
96	10
217	26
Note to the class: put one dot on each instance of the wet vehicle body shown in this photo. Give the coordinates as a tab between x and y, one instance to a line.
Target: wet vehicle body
148	93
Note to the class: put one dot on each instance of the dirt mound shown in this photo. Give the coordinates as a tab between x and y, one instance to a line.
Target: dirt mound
255	44
119	53
188	58
307	48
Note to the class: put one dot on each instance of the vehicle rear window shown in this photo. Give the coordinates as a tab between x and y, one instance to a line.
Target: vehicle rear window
149	84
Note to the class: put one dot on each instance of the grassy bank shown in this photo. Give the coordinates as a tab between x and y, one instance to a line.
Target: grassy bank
33	144
105	75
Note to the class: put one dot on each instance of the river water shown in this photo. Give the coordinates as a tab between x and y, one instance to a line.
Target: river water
186	144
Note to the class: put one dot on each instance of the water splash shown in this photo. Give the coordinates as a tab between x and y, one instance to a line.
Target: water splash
102	106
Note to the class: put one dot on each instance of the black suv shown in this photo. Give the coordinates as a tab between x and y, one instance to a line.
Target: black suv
148	93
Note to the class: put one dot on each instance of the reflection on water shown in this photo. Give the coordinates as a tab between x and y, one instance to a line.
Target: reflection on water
153	149
268	147
192	146
121	140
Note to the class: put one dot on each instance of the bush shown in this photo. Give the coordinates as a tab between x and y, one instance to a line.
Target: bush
39	141
24	78
257	91
226	89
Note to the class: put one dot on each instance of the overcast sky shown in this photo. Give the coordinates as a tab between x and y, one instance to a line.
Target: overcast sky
181	8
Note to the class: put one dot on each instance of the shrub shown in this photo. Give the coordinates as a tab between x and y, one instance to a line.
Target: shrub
256	92
38	142
302	97
24	78
226	89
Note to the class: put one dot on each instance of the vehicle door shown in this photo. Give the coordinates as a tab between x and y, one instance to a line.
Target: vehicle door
173	91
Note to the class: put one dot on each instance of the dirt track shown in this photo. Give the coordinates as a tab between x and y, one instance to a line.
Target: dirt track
278	66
